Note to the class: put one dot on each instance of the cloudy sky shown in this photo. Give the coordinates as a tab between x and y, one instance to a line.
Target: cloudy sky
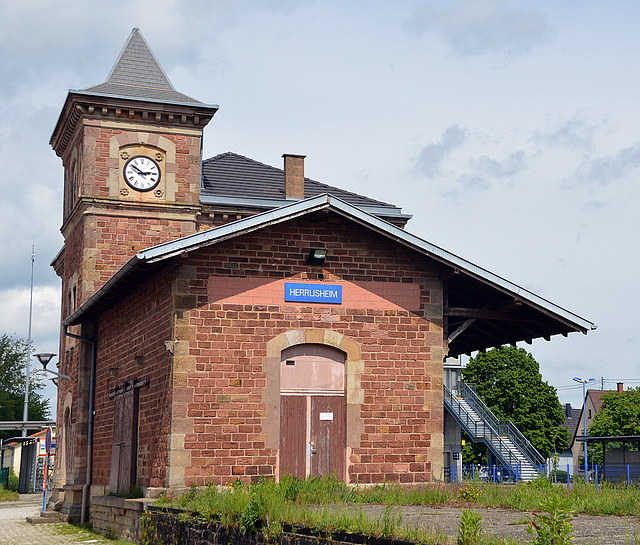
509	129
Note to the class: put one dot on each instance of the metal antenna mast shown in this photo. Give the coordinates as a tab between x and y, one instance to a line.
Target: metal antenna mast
25	413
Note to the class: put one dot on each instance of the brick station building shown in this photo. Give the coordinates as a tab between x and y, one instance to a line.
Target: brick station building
226	319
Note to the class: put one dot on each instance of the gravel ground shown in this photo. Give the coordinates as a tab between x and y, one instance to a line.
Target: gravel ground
506	522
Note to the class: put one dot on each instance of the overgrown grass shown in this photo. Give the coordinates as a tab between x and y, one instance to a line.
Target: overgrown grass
85	534
327	505
8	495
580	498
266	506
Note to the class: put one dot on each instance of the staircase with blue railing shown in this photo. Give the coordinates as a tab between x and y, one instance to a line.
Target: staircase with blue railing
506	442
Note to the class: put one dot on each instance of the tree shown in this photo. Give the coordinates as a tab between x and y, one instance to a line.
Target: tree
13	353
618	415
509	382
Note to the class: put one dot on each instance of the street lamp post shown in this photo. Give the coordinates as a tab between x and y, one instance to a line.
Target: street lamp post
44	359
584	382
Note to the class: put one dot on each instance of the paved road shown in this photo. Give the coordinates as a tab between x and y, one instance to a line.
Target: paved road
15	530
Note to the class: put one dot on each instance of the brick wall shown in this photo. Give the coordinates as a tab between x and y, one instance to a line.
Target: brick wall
205	418
131	345
105	225
401	351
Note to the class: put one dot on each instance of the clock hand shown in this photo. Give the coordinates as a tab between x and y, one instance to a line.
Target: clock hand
134	167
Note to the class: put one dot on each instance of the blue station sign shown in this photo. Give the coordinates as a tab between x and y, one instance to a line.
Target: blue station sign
313	293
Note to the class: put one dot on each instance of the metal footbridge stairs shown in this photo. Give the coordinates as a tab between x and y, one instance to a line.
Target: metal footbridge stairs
504	440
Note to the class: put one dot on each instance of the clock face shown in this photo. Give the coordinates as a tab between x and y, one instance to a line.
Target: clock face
141	173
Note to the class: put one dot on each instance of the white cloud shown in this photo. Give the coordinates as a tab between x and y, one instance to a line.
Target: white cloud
513	165
473	27
429	160
611	168
14	315
577	132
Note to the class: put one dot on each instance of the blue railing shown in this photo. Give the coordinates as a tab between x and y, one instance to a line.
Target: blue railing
490	430
504	428
616	474
478	473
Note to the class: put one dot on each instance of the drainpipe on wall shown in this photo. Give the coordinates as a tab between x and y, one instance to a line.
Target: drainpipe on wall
92	388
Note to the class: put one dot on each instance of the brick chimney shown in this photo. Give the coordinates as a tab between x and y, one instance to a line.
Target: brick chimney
620	387
293	176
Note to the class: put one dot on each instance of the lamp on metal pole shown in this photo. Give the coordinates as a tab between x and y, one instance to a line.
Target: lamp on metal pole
44	359
584	382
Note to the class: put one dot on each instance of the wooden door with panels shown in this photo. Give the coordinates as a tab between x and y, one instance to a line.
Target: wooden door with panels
312	411
125	441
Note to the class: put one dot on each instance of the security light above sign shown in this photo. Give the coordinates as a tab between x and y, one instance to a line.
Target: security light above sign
313	293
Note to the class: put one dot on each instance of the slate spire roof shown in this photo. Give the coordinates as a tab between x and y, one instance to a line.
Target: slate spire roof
138	74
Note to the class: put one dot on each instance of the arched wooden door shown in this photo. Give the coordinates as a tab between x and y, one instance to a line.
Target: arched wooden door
312	411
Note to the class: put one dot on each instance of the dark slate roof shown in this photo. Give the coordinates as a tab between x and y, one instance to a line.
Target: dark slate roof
572	422
234	176
138	74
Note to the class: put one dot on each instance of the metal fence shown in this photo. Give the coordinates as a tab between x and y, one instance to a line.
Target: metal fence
620	474
486	473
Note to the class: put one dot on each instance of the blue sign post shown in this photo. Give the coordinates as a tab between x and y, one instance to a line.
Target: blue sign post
313	293
48	438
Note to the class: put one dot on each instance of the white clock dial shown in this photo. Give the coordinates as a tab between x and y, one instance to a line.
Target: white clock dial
141	173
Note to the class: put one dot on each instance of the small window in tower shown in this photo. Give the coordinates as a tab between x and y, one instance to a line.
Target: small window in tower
74	175
290	362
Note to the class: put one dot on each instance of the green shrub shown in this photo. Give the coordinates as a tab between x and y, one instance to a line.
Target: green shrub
290	486
470	530
554	527
14	481
558	476
8	495
469	493
250	518
391	520
148	530
134	491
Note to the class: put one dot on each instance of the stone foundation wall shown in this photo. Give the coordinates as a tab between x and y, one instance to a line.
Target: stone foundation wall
169	528
117	517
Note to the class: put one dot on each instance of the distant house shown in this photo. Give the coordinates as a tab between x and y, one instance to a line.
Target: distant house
592	405
26	456
572	424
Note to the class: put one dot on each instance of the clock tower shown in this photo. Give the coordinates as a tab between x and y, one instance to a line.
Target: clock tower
131	152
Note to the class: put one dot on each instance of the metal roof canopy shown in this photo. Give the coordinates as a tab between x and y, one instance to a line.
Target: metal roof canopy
482	310
611	438
7	442
9	425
